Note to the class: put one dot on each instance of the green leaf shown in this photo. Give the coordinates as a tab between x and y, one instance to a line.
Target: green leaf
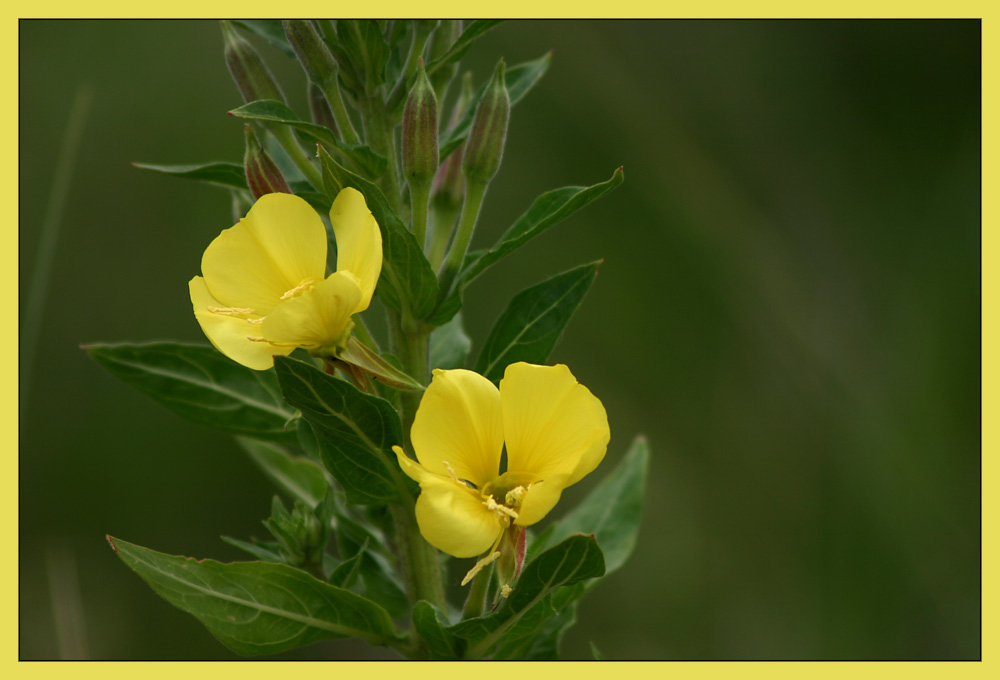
407	284
258	607
612	511
469	35
596	653
347	571
369	162
450	345
355	430
548	209
200	384
269	29
575	560
544	644
368	360
432	626
533	321
298	476
379	574
362	39
267	552
519	81
223	174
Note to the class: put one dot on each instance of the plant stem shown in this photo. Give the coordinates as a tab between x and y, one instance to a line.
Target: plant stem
331	90
420	193
379	132
475	190
286	138
476	601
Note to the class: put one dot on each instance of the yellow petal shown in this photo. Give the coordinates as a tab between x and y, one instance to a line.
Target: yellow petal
359	241
316	318
451	516
230	334
539	499
553	425
278	245
459	422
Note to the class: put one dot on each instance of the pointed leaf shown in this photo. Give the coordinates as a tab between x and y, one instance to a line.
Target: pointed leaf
469	35
347	571
369	162
258	607
200	384
223	174
407	284
547	210
379	575
543	645
534	320
355	431
362	39
266	553
298	476
612	511
269	29
367	359
432	625
450	345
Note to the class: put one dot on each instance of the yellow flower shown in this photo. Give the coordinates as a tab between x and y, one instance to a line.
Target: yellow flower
555	431
265	290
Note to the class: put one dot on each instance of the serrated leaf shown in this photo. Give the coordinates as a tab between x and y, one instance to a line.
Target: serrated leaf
407	284
450	345
222	174
258	607
469	35
533	321
432	626
548	209
298	476
269	29
368	161
519	81
200	384
575	560
355	430
613	510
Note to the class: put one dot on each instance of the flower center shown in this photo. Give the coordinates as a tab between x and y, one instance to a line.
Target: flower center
298	290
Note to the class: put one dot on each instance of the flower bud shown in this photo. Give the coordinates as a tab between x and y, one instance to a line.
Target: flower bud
484	147
512	550
247	68
311	51
420	130
263	176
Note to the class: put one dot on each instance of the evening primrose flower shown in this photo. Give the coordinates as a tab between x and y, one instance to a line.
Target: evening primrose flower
555	432
264	289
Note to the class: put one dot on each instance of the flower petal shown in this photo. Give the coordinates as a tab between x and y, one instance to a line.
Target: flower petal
552	424
316	318
459	422
540	499
451	516
359	241
278	245
229	334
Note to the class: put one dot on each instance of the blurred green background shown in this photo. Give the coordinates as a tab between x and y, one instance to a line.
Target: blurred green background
788	308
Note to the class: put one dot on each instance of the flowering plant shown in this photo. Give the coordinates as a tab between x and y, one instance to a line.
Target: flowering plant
393	454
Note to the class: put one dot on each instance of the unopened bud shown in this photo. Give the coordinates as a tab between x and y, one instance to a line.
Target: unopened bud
512	550
484	148
420	130
263	176
247	68
311	51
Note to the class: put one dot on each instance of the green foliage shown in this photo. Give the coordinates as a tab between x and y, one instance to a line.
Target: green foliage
469	35
355	431
199	384
432	625
533	321
299	477
450	345
258	607
223	174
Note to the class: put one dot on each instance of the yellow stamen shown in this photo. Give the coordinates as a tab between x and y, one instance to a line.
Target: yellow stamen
515	496
252	338
499	509
451	471
505	590
260	320
298	289
489	559
231	311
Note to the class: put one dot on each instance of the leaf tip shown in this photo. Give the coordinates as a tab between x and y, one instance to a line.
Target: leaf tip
111	542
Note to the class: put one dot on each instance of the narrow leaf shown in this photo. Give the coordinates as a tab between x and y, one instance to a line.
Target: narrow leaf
347	571
355	431
534	320
612	511
266	553
269	29
432	625
223	174
469	35
200	384
368	161
258	607
548	209
518	79
407	284
298	476
368	360
450	345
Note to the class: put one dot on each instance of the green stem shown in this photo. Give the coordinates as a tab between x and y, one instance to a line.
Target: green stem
399	92
379	131
475	190
420	194
286	138
444	222
476	602
331	90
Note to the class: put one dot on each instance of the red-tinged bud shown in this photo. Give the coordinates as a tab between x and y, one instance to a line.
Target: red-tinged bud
512	550
263	176
247	68
484	148
420	130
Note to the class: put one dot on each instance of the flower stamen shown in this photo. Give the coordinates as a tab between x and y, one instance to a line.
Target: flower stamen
305	285
485	561
231	311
